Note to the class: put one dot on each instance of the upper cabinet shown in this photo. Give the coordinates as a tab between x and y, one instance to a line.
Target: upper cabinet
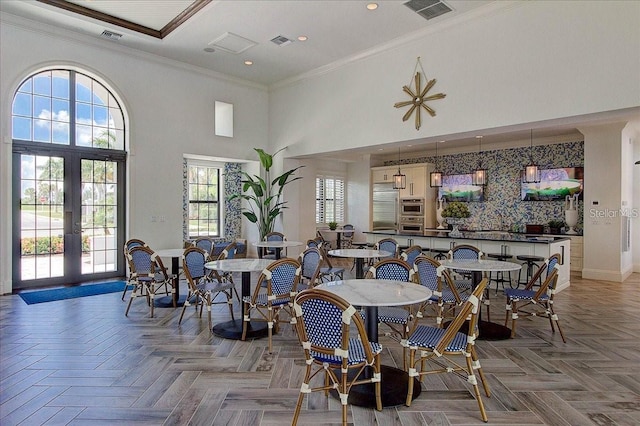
416	182
383	174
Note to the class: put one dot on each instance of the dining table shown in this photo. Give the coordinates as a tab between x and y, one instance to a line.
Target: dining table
232	329
359	254
487	330
277	246
370	294
175	300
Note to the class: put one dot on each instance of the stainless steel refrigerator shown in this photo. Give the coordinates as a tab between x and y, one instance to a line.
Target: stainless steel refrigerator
385	207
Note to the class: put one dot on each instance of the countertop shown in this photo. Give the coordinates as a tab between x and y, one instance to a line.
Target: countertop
479	235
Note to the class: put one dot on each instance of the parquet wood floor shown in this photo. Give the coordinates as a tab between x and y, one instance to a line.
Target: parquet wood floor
82	362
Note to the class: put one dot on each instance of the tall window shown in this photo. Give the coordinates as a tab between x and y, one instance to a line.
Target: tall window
205	216
329	199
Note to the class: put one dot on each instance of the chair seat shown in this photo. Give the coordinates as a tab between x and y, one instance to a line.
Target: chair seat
356	353
517	294
390	314
331	271
428	337
447	297
214	286
261	300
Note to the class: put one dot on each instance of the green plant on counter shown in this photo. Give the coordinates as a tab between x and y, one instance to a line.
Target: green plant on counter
333	225
556	224
456	209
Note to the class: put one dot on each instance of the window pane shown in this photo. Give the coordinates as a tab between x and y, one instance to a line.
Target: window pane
22	104
61	84
42	84
22	128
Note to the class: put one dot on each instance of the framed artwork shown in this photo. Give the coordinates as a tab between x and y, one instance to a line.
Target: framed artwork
555	184
459	188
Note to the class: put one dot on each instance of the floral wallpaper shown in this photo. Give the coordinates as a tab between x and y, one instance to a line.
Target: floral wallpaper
502	207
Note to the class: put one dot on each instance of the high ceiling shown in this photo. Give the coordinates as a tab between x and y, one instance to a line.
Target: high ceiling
336	31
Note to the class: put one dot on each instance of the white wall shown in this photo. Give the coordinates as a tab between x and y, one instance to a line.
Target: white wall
171	113
532	62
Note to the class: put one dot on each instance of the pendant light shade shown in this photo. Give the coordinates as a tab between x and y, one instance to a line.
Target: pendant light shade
399	180
435	177
531	172
479	177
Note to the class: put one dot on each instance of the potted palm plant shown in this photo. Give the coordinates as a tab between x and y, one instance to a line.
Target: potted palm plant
264	193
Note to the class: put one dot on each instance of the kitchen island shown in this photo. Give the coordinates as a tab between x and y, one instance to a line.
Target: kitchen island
512	243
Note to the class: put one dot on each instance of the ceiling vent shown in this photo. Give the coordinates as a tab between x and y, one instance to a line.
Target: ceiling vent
232	43
281	40
428	9
110	35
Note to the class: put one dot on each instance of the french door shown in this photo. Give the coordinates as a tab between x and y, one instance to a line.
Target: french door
68	215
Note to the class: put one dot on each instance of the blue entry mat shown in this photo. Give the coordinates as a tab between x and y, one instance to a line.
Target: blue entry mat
42	296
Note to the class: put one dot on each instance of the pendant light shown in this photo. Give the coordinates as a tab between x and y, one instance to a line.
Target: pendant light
435	177
399	180
479	177
531	172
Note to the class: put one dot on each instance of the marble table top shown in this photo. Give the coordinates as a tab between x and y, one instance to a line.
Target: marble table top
277	244
373	292
480	265
359	253
239	265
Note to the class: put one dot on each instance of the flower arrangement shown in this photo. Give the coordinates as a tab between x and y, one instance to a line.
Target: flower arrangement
456	209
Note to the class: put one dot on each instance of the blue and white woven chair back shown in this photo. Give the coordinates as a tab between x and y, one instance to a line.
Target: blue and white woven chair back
194	261
348	227
388	246
133	243
427	274
142	260
388	270
310	260
553	261
409	256
229	252
323	323
313	244
283	278
205	244
275	237
464	253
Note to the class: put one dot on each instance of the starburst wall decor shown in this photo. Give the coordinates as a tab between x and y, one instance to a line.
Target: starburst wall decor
419	97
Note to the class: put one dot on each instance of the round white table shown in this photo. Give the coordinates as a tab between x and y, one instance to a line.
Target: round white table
488	330
174	301
359	255
372	293
278	245
233	329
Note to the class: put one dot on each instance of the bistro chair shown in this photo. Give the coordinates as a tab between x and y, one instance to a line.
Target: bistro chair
205	243
410	254
335	346
346	239
539	302
310	260
328	272
465	283
276	288
438	348
387	244
204	286
445	299
266	252
398	319
148	274
134	242
229	252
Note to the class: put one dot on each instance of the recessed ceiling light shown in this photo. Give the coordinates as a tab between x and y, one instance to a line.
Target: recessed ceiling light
372	6
248	62
302	38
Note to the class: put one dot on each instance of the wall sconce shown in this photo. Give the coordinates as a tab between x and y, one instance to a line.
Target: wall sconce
479	177
435	177
399	180
531	172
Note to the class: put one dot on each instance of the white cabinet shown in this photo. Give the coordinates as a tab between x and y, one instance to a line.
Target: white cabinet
382	174
416	182
576	253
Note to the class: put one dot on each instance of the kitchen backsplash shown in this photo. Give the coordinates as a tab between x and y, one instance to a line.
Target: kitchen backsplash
503	207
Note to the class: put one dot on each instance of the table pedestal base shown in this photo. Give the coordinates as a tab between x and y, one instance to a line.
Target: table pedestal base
488	330
393	390
167	302
233	330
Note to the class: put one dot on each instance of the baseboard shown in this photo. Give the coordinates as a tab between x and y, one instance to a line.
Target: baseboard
604	275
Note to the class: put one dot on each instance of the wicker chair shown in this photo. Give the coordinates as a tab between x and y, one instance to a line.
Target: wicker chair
536	303
148	274
325	324
134	242
437	347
